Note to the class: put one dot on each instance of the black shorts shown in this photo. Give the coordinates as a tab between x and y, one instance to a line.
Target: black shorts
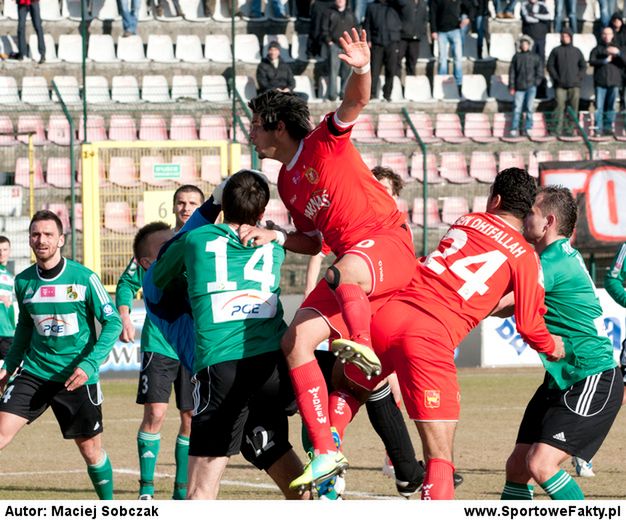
622	361
237	399
157	375
575	420
5	345
78	413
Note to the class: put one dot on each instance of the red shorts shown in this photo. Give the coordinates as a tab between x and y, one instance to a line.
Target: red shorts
392	263
416	346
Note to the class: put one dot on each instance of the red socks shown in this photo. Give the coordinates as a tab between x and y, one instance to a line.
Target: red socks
356	312
342	407
312	397
439	480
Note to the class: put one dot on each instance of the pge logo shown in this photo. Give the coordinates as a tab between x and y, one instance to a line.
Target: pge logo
245	310
53	327
508	332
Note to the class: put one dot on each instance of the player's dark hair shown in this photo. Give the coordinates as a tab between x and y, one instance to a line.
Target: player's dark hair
4	240
273	106
46	214
245	196
141	238
559	201
188	188
382	172
517	190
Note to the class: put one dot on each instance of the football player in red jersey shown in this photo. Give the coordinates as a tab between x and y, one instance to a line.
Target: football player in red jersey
330	192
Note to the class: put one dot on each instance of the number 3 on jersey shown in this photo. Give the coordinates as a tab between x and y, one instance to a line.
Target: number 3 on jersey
475	280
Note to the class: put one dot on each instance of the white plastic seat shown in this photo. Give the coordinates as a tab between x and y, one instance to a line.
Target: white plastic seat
396	89
155	89
222	11
245	8
125	89
102	49
10	9
247	48
499	88
8	91
246	87
474	87
217	48
51	53
303	84
189	48
11	197
106	10
193	10
552	40
299	44
585	42
50	11
8	44
282	41
70	48
417	88
160	49
214	88
35	90
502	46
130	49
97	89
184	87
445	88
169	11
68	87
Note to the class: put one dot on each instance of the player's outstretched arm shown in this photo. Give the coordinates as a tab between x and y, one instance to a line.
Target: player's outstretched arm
295	241
356	53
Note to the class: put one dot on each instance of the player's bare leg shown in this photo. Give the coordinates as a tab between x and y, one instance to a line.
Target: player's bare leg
98	465
518	485
10	424
283	471
544	463
205	474
437	442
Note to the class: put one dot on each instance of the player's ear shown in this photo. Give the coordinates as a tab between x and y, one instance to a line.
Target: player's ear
493	203
144	262
61	240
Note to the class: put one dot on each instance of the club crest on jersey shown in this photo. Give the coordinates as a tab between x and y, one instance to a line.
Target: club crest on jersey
48	291
319	200
432	398
71	293
312	176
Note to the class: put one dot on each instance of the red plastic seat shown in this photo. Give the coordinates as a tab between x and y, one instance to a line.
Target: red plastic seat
96	131
213	128
271	169
391	128
453	208
210	169
448	128
424	126
122	128
483	166
59	172
31	124
511	160
370	160
570	155
22	173
453	168
59	130
417	167
7	132
479	203
146	170
417	214
183	128
276	212
539	132
61	211
188	169
117	217
398	162
152	128
123	172
534	158
502	128
363	130
478	128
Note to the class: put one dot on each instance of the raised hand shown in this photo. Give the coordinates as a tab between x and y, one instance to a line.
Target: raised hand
356	51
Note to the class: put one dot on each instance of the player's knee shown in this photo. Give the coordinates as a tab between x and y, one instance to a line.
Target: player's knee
536	467
515	466
153	418
333	277
90	450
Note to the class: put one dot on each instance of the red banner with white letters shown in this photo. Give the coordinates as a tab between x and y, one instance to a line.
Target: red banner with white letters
600	190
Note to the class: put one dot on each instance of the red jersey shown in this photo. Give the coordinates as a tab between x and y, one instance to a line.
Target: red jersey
479	260
328	188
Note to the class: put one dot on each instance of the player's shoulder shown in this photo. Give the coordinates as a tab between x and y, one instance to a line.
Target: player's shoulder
74	268
27	274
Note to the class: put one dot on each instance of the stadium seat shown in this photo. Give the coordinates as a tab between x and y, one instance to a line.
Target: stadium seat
241	136
11	197
50	11
217	48
96	130
152	128
620	153
323	86
502	128
398	162
123	172
247	48
140	216
189	49
474	87
585	42
169	12
299	44
534	158
601	154
102	49
363	130
479	203
210	169
282	41
70	48
155	89
396	90
97	90
539	132
8	91
68	87
183	128
51	53
277	213
275	16
214	89
448	128
570	155
499	88
146	170
22	173
31	124
417	167
432	215
122	127
303	85
188	169
125	89
445	88
58	130
453	208
222	11
417	88
453	167
424	126
478	127
213	128
246	87
483	166
245	8
71	9
185	87
8	44
510	160
403	207
106	10
117	217
271	169
130	49
59	172
552	40
35	90
16	224
587	90
160	49
502	46
61	211
194	11
391	128
7	132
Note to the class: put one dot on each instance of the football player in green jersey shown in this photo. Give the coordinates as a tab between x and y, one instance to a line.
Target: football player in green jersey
614	284
160	366
60	353
572	411
7	312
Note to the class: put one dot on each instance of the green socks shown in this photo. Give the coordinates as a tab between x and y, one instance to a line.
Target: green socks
181	455
562	487
101	475
515	491
148	445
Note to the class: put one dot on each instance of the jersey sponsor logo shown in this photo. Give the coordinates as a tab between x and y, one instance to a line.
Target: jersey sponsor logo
559	437
57	293
107	309
71	293
6	279
317	405
56	325
432	398
312	176
365	244
243	305
319	200
49	291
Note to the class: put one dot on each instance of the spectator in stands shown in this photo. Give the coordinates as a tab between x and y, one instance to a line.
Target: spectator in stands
383	27
359	7
525	75
318	12
273	73
607	10
339	18
478	13
447	18
24	7
158	7
608	68
414	17
561	6
567	67
619	39
129	10
536	20
278	11
504	8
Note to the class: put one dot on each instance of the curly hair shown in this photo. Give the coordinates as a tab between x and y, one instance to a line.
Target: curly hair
382	172
273	106
517	189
